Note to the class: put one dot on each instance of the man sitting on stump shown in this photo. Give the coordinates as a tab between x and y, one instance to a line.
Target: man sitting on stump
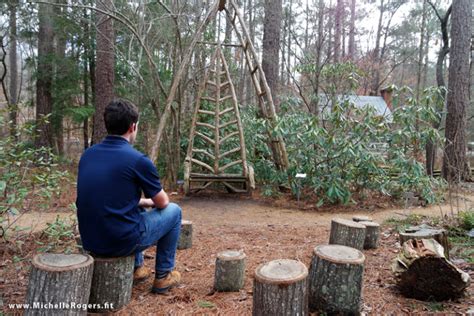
112	219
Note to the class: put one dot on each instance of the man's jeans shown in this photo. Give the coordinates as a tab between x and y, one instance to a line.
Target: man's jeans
160	227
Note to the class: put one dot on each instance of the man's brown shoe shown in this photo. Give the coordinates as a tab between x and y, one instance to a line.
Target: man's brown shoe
141	273
161	286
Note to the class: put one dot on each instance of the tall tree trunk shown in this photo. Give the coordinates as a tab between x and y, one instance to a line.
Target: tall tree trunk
329	26
421	50
271	46
13	89
319	51
288	43
86	76
60	76
44	134
105	70
430	147
376	55
338	31
352	31
455	167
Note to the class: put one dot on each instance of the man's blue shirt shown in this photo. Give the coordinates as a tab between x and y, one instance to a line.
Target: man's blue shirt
112	176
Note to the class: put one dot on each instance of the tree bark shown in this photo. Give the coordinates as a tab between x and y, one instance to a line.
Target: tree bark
421	50
185	240
371	240
105	70
13	88
271	46
335	280
455	167
423	272
338	30
230	271
280	288
112	282
347	233
59	279
376	54
352	31
44	102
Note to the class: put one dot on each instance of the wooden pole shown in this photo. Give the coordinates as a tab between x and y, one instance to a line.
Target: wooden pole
280	288
59	284
230	271
335	280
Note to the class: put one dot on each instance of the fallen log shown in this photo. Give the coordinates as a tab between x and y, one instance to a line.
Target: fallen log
426	232
424	273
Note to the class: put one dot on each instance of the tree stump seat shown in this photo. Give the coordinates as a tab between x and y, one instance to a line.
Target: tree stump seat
371	234
230	271
426	232
59	284
185	240
280	288
335	280
348	233
112	282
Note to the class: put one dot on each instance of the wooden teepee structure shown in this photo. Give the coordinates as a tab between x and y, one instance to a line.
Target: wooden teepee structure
216	139
262	90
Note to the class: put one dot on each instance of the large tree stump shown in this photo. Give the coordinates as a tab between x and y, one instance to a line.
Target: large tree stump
230	271
59	284
185	240
112	283
371	235
280	288
335	279
347	233
426	232
425	274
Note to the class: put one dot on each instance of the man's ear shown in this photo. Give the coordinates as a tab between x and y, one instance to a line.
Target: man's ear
132	127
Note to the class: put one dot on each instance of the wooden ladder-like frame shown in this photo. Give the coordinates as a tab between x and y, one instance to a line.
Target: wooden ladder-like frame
216	110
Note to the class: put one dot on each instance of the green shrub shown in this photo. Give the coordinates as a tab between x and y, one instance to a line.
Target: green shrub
466	219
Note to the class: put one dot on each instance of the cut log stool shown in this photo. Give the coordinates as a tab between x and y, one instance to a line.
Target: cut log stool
59	279
347	233
230	271
112	282
186	236
335	279
280	288
426	232
371	235
361	218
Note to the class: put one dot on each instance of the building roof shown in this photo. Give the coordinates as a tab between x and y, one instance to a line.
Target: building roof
361	101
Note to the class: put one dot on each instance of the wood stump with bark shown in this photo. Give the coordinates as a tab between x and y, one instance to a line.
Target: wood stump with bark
426	232
280	288
361	218
424	273
347	233
59	279
335	279
230	271
186	236
112	283
371	235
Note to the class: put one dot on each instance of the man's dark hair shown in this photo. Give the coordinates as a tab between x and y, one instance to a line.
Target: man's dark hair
119	115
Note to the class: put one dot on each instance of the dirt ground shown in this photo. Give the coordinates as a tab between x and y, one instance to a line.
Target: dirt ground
264	232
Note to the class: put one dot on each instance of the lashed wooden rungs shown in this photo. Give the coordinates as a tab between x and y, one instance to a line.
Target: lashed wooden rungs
205	152
212	82
228	136
232	188
206	112
225	84
205	125
203	164
227	97
230	164
226	111
228	123
237	149
254	70
207	139
209	99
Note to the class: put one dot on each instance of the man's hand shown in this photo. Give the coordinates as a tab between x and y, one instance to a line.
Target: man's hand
146	203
